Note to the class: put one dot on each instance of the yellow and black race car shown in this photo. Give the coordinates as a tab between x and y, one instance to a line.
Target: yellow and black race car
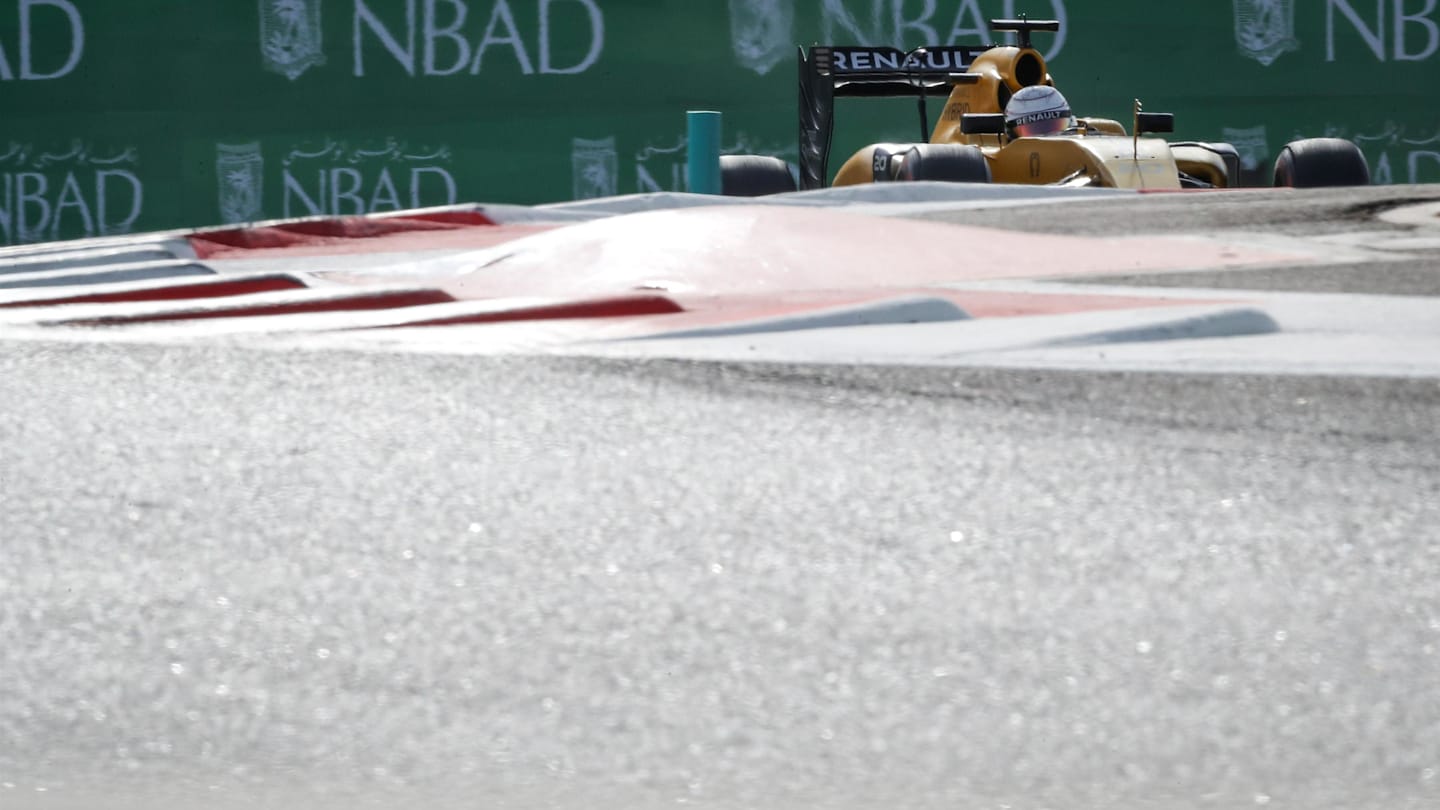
973	142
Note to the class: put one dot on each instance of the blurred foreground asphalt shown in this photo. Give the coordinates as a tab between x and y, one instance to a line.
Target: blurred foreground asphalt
243	578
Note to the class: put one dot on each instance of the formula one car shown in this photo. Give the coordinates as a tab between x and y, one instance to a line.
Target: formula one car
973	142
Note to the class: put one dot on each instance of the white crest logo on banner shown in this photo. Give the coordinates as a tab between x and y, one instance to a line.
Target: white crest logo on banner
1251	143
762	33
596	168
1265	29
240	171
290	36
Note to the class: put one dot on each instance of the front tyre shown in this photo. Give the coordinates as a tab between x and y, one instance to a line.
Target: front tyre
1321	163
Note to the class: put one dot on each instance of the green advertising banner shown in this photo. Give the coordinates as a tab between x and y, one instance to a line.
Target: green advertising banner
150	114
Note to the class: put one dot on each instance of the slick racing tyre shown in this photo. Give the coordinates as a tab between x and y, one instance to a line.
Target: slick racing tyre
754	176
1321	163
948	162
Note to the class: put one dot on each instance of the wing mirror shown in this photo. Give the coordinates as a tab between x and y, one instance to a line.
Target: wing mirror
1146	122
982	124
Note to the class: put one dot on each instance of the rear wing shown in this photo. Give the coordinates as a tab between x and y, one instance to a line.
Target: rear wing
828	72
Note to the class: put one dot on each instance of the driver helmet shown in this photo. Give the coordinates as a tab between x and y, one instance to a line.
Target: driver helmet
1037	111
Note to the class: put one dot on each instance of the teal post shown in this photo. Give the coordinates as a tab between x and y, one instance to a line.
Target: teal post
702	165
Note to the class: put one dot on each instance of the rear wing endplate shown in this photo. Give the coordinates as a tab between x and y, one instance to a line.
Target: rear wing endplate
828	72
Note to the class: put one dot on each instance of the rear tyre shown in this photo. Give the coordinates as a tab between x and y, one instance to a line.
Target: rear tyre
947	162
1321	163
754	176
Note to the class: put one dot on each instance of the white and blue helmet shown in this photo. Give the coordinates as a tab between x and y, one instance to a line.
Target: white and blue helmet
1038	111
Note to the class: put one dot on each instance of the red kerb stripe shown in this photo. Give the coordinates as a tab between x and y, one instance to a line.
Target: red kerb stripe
618	307
353	303
173	292
208	244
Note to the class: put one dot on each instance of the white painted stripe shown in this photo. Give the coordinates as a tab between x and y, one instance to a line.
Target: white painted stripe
908	310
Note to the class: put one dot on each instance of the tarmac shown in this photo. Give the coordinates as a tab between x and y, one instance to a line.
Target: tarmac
1175	548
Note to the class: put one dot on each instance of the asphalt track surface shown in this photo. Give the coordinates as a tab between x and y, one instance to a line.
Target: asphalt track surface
1256	212
325	578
